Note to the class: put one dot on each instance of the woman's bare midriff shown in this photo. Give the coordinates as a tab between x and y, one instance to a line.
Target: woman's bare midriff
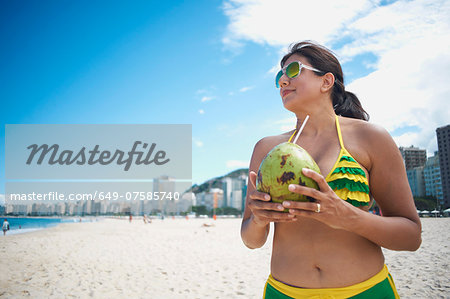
310	254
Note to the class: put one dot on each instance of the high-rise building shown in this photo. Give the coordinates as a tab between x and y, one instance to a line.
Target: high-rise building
239	192
185	203
212	198
443	139
164	185
227	186
416	181
413	156
432	176
234	192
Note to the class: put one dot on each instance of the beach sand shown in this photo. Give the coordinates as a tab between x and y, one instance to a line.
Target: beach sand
179	259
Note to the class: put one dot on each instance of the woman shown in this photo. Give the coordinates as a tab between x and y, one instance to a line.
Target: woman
331	246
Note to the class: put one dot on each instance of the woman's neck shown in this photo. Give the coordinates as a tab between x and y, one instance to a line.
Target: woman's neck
317	122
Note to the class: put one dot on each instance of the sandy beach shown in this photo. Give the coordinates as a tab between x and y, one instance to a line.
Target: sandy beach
179	259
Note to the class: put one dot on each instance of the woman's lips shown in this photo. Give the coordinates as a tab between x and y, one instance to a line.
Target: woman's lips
285	92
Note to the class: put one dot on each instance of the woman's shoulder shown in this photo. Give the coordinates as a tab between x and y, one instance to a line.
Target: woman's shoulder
368	140
269	142
264	145
364	130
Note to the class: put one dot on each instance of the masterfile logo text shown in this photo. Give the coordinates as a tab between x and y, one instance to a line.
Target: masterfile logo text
98	151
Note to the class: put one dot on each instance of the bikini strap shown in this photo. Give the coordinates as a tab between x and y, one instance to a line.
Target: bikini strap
293	134
339	132
341	141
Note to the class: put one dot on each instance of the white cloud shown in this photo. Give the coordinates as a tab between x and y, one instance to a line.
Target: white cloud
288	120
274	70
206	98
201	111
411	39
206	94
286	128
237	164
409	86
201	91
197	142
287	124
406	139
282	22
246	88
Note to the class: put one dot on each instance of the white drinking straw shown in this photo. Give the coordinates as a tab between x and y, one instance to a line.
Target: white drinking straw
301	128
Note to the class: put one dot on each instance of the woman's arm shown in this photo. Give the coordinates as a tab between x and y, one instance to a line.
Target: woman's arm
259	211
399	228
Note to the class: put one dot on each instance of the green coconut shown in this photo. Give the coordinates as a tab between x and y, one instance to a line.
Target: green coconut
283	166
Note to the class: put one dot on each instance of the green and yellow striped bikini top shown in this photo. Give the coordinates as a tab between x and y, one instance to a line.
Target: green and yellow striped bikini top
347	178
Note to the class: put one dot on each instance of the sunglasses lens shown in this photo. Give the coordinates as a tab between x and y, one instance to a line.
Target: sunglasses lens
292	70
277	79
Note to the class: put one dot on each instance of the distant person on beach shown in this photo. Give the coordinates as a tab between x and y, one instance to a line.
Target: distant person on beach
331	246
5	226
130	218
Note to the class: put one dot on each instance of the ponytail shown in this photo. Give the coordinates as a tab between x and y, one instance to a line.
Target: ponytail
346	103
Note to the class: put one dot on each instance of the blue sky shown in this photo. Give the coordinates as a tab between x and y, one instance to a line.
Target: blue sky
211	64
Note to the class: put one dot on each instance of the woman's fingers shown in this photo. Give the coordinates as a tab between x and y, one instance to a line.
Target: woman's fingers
311	192
320	194
307	206
265	210
266	205
256	194
269	211
291	218
260	196
275	216
320	180
252	178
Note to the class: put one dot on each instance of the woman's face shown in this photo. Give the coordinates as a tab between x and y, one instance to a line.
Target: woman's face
301	90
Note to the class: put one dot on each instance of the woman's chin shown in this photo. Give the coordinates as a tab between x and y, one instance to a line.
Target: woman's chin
288	104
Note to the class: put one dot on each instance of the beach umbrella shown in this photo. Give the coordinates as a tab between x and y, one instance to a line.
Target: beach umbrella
435	211
424	212
446	212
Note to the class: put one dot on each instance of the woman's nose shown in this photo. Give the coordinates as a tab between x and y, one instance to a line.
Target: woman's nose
284	81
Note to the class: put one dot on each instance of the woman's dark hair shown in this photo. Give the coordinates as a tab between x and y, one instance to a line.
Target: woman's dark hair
345	103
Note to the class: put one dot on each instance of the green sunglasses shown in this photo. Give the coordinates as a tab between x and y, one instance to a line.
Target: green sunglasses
292	70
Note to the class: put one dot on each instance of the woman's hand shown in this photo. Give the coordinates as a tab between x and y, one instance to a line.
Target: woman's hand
328	208
263	210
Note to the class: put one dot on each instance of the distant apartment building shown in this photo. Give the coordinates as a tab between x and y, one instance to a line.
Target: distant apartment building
432	176
227	187
212	198
235	191
185	203
416	181
161	184
443	140
413	156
